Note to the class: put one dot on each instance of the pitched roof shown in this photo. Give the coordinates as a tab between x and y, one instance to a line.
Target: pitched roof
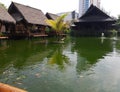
5	16
95	14
51	16
31	15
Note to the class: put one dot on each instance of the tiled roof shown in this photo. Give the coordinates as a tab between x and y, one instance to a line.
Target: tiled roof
95	14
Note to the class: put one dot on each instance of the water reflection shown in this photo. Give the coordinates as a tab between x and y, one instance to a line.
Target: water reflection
90	51
23	52
79	65
59	58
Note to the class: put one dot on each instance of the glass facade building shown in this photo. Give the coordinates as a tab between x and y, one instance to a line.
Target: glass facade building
84	5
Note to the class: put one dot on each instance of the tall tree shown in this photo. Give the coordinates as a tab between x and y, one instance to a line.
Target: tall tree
118	20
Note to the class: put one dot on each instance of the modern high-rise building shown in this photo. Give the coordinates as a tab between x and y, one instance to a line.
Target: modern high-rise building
85	4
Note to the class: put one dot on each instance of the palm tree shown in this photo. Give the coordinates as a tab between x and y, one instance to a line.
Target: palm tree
58	25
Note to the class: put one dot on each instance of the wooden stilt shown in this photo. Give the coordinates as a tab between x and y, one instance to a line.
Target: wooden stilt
0	26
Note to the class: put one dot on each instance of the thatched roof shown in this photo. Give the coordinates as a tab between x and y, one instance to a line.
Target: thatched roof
31	15
5	16
94	14
51	16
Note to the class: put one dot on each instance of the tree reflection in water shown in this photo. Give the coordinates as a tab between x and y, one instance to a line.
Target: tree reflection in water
58	58
89	51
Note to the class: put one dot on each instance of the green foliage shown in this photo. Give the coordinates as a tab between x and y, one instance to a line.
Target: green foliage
114	33
118	20
3	5
47	29
1	34
58	25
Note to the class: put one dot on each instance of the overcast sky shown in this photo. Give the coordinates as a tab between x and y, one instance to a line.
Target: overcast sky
57	6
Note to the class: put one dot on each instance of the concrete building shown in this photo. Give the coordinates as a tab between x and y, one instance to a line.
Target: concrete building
85	4
72	15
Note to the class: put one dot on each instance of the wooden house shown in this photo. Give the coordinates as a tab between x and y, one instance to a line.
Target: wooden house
6	23
30	22
93	23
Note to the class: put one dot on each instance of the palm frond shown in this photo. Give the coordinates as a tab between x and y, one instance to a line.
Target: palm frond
52	24
61	18
58	24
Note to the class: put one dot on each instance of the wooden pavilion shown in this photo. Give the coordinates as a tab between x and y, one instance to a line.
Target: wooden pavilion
30	22
7	23
93	23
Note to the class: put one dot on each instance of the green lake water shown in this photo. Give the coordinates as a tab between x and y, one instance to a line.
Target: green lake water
78	65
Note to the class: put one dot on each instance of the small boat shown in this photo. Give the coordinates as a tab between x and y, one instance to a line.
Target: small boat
8	88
